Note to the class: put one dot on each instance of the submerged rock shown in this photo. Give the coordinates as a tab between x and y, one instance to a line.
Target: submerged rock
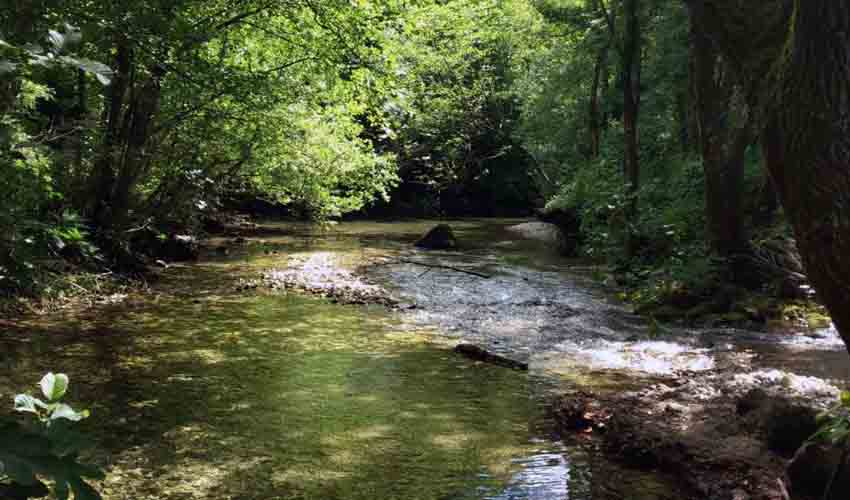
478	354
439	238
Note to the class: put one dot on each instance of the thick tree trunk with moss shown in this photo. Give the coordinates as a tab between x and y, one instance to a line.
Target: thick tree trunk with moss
795	56
812	131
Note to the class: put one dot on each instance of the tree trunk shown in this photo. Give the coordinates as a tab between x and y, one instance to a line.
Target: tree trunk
767	205
724	134
811	133
598	117
794	56
82	120
102	179
140	117
594	116
19	29
631	110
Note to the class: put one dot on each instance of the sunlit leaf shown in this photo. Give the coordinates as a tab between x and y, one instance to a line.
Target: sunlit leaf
102	72
56	39
66	412
54	386
28	404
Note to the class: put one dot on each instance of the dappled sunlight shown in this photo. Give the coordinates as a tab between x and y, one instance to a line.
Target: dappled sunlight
455	441
206	392
287	396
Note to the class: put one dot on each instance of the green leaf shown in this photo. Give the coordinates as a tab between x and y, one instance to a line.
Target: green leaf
102	72
54	386
64	411
845	399
56	39
28	404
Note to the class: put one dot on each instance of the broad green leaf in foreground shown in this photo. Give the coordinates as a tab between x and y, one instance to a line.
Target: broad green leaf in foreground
54	386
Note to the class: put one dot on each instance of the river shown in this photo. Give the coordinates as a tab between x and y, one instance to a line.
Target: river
199	389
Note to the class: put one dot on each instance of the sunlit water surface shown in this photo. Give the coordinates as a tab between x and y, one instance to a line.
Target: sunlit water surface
201	391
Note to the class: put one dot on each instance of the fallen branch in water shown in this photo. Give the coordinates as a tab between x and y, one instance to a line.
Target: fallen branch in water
450	268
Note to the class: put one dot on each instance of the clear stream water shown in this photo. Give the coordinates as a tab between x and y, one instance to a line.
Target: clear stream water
201	391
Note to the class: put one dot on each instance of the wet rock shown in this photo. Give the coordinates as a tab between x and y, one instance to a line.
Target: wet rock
569	223
578	412
478	354
439	238
179	248
685	298
812	468
752	401
785	426
213	225
789	426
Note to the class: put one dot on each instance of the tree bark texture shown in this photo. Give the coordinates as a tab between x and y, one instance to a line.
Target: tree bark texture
812	131
795	56
631	112
723	132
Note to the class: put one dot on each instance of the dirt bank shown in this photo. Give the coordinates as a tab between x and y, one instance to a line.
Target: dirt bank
725	436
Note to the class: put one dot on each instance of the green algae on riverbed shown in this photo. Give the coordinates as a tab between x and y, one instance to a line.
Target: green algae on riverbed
278	397
203	391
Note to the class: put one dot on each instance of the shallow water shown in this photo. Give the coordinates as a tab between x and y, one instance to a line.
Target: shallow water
203	392
200	391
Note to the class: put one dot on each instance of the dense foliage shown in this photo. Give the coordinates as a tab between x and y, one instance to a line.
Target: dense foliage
646	127
191	99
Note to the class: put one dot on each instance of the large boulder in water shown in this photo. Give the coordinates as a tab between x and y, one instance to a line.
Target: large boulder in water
569	223
439	238
179	248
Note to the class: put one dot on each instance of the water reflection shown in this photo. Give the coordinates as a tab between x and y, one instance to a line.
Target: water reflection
542	477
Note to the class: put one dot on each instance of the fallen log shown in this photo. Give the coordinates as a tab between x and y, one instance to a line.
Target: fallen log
478	354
